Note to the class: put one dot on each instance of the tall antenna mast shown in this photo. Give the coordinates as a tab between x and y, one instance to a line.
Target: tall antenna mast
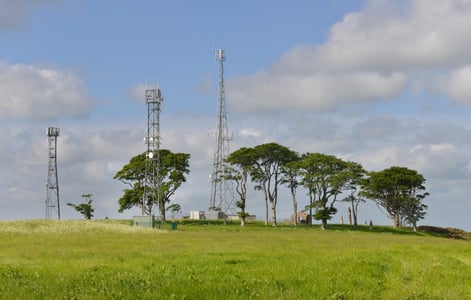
222	198
151	196
52	185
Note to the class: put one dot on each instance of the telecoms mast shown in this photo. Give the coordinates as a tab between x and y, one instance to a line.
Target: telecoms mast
52	185
221	190
151	195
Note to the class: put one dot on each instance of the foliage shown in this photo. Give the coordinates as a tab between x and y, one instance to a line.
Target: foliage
85	209
326	177
173	169
267	172
354	201
400	191
290	178
237	168
174	209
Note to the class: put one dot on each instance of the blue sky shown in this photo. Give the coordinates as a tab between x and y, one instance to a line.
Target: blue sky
380	82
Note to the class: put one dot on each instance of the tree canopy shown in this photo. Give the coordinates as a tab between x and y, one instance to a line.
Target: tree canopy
325	177
237	168
172	173
267	172
399	191
86	209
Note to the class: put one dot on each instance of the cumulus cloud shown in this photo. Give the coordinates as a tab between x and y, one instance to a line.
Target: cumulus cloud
457	85
318	92
250	132
137	93
41	93
15	13
371	55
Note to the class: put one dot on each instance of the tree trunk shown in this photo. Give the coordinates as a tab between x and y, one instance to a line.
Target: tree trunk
266	211
265	194
324	224
273	213
396	221
242	213
162	212
349	216
295	210
355	218
414	226
310	207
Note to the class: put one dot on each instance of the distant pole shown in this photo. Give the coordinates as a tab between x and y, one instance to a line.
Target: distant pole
222	195
152	195
52	185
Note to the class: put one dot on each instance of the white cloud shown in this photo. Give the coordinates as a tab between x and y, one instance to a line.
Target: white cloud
370	55
250	132
15	13
264	92
457	85
137	93
389	36
40	93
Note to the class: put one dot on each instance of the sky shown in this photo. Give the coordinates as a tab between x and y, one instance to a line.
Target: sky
382	83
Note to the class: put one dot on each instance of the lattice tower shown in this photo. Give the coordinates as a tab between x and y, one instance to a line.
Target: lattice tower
151	197
222	192
52	185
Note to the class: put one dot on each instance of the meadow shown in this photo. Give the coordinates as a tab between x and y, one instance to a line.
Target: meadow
44	259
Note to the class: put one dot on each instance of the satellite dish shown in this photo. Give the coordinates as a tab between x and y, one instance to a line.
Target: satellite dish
150	155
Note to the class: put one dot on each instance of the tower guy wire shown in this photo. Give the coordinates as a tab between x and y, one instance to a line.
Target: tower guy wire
222	193
52	185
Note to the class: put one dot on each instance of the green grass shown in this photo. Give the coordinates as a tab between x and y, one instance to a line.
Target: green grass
113	260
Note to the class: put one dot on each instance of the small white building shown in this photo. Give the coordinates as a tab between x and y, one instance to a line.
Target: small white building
197	215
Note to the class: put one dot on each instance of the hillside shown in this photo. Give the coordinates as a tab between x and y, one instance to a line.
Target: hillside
111	259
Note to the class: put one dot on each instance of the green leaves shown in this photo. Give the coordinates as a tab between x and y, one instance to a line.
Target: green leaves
400	191
325	177
172	173
85	209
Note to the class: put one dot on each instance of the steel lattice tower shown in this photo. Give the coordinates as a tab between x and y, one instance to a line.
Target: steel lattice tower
222	193
151	196
52	185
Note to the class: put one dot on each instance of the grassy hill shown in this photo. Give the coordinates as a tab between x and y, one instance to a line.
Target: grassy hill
42	259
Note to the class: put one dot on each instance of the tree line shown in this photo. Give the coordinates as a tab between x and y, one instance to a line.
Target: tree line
325	179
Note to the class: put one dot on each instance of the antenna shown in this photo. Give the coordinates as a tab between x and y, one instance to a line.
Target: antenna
152	195
52	185
222	193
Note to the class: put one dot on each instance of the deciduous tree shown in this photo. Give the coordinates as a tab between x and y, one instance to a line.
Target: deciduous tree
290	178
325	177
267	172
172	173
399	191
355	173
237	169
85	209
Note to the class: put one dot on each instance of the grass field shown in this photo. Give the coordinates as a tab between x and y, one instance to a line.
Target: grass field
43	259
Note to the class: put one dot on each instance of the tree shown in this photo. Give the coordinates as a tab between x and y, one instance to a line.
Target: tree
291	170
237	168
354	201
173	169
266	172
399	191
355	174
414	210
85	209
325	177
174	209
